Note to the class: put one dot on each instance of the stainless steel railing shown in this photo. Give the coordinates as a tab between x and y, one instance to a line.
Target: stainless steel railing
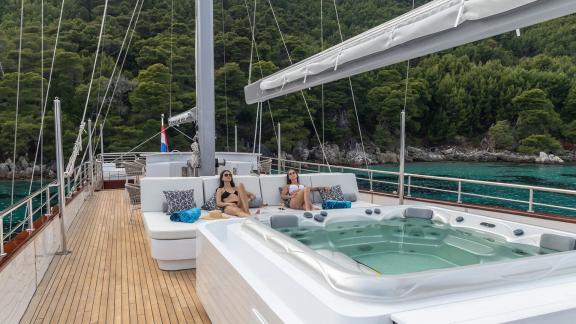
363	174
35	205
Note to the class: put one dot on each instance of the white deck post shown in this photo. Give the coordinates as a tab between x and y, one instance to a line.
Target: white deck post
402	148
90	157
205	85
60	174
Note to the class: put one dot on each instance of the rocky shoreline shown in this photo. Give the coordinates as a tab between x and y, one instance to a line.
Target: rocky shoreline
350	155
24	169
353	155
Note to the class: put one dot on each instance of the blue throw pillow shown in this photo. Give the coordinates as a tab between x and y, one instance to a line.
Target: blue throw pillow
186	216
336	204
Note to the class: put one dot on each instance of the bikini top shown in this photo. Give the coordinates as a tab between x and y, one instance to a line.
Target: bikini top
294	187
226	194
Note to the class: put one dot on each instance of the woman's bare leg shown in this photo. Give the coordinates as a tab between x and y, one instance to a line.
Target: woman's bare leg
235	211
297	202
243	196
307	203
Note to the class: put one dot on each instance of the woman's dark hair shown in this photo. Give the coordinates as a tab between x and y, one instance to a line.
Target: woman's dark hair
288	182
222	182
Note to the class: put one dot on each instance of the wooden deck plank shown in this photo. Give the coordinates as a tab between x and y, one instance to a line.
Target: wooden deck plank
110	276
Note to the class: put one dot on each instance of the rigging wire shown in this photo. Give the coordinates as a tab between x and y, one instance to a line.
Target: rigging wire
352	90
322	85
252	27
41	143
171	56
137	7
45	97
120	71
301	92
78	144
256	126
225	76
17	107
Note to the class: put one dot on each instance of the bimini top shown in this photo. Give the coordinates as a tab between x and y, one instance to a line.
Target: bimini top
433	27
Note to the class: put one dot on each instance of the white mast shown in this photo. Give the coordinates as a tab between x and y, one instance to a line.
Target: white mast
205	86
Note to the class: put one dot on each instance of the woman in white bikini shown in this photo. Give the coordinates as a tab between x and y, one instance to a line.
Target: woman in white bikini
296	195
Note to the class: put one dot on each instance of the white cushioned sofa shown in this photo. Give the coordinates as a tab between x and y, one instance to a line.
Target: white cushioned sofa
173	244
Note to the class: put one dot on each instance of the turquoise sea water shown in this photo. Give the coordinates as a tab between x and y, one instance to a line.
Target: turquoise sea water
20	191
554	176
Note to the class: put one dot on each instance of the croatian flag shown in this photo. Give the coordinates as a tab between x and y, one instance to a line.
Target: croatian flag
163	139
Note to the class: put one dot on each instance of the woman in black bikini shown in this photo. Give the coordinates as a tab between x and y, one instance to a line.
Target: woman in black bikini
230	199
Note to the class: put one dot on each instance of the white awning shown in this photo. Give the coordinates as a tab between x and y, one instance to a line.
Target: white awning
186	117
433	27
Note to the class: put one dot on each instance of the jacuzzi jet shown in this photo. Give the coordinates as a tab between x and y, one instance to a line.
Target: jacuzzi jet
365	248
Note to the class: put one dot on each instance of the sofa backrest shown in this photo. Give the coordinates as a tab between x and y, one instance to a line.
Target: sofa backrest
270	184
346	180
251	183
152	195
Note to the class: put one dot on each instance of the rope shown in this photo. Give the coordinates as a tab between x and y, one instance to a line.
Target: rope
171	53
253	40
142	143
301	92
225	76
181	132
78	144
45	98
121	66
352	91
17	108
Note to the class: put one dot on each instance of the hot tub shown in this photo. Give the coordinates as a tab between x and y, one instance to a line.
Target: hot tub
364	265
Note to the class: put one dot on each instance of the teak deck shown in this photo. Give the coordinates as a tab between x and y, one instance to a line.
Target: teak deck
110	277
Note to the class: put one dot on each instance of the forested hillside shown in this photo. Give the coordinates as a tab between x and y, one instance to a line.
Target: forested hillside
517	92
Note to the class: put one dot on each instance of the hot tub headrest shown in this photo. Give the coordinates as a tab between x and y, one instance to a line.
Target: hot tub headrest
414	212
277	221
557	242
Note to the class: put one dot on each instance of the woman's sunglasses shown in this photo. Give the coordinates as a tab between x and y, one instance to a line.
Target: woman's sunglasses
291	173
226	175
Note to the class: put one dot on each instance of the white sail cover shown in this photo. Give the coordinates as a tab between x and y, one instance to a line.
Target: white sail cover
433	27
189	116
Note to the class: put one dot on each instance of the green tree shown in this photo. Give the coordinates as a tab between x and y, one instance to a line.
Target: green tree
502	135
534	144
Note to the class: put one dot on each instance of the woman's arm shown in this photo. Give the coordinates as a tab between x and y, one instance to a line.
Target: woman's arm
284	194
219	202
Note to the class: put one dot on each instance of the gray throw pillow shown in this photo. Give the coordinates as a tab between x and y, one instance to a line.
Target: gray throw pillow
350	197
335	193
256	203
210	204
180	200
164	207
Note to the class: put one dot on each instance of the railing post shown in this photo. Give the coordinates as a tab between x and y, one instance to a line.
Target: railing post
60	174
402	157
279	138
235	138
299	167
459	192
531	201
319	169
409	194
30	216
48	207
371	176
2	253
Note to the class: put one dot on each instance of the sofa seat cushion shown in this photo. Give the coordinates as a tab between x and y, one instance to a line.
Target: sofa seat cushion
160	227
